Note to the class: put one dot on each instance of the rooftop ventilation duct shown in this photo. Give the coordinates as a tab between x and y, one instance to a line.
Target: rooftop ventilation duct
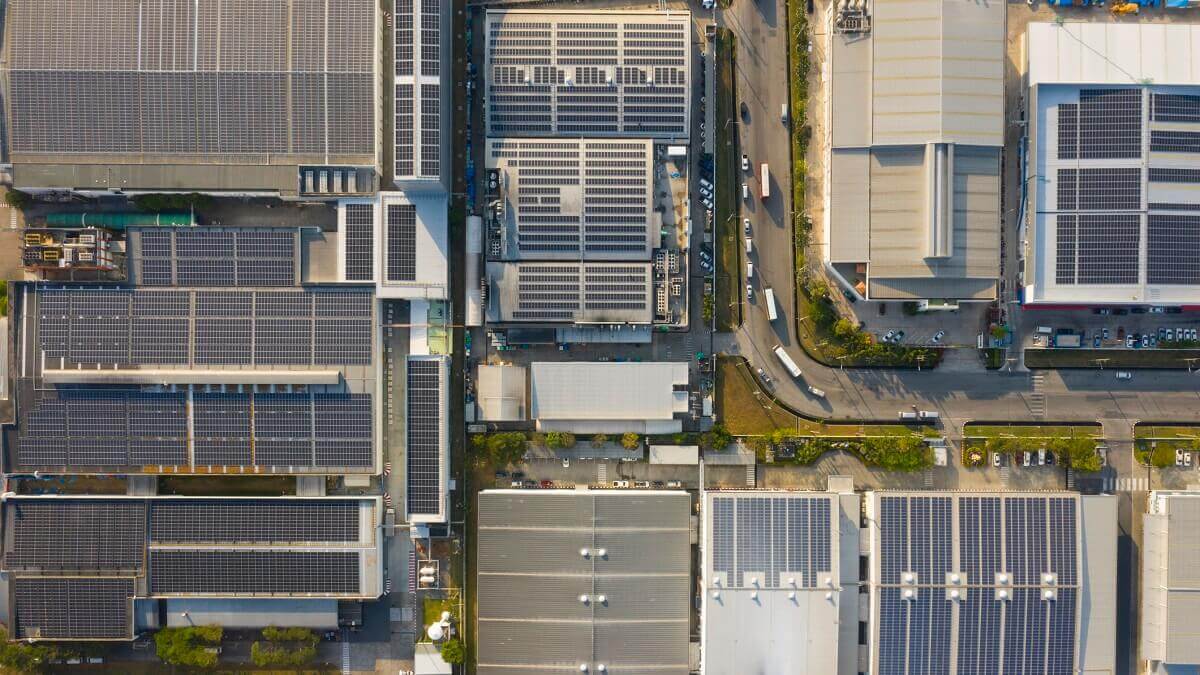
939	179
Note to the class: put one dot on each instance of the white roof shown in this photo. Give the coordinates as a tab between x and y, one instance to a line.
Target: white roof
428	661
607	391
500	392
1113	53
431	244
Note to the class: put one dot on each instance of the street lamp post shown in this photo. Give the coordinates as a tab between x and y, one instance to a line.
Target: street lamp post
1100	362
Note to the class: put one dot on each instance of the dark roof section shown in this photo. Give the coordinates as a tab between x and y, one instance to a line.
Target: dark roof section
76	608
102	537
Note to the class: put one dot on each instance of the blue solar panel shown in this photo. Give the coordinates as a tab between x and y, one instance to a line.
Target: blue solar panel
1014	514
1060	656
1062	540
893	632
1016	622
893	527
979	633
722	534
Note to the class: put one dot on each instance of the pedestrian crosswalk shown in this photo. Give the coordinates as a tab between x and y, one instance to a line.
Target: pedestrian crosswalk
928	478
1004	475
1070	479
1126	484
602	473
1037	400
750	475
345	652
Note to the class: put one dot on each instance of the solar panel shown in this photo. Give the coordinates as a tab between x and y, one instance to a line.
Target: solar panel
254	572
174	81
401	242
117	327
772	539
72	608
425	439
75	536
360	242
1173	249
253	521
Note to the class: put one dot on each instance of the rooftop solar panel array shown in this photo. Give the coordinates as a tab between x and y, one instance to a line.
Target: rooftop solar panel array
425	437
125	428
94	536
921	537
418	56
132	327
554	292
401	242
578	75
72	608
161	77
253	521
578	199
207	256
360	242
761	542
254	572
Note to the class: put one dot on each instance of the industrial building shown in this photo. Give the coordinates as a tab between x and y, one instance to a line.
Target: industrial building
976	582
1112	195
575	199
233	98
428	438
500	393
1170	590
421	133
781	591
584	581
587	74
215	358
570	292
397	241
109	568
590	397
917	109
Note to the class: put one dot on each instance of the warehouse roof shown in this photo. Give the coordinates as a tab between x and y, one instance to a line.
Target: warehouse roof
582	390
570	292
1170	581
568	578
500	392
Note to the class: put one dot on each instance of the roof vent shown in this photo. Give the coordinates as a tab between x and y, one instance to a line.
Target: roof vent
716	594
791	581
753	595
829	594
954	594
584	552
910	578
584	598
602	599
1001	593
583	668
791	595
600	667
602	552
909	594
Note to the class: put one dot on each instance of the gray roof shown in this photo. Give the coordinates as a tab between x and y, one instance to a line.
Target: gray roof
885	213
592	390
209	83
1170	580
583	73
531	577
572	199
930	71
558	292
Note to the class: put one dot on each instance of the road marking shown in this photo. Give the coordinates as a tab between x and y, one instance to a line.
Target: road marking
345	652
928	478
750	478
602	472
1004	475
1127	484
1037	400
1070	479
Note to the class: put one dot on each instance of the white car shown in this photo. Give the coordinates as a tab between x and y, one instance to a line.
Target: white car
745	192
749	292
816	392
746	226
620	483
996	459
1124	375
1178	457
745	162
937	337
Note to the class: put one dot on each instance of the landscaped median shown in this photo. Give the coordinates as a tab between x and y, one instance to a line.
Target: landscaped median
1156	444
1073	445
779	435
728	298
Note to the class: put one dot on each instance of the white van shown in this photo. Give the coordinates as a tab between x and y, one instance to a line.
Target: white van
745	192
1045	330
783	116
749	270
928	414
908	416
749	245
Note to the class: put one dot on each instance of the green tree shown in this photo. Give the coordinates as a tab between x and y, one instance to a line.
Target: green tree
506	448
18	199
453	652
23	657
760	446
716	438
1077	453
560	439
190	646
896	453
267	654
844	329
1002	446
599	440
630	441
999	332
275	634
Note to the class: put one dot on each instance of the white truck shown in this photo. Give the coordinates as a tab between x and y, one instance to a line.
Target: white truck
771	313
787	361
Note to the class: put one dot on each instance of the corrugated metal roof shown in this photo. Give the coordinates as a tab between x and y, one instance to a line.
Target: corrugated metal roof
850	206
605	391
531	576
1113	53
929	71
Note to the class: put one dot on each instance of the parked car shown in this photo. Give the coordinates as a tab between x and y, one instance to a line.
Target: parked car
1120	311
501	474
1103	311
764	376
1162	334
1178	457
749	292
674	484
887	337
996	459
620	483
937	337
746	226
1124	375
819	393
658	484
1145	340
517	484
518	475
745	162
1049	458
530	484
547	483
1096	342
641	483
1130	343
1025	458
899	336
1104	333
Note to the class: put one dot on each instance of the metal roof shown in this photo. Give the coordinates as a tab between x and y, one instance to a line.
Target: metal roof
582	390
500	393
532	575
570	292
1112	53
1170	581
930	71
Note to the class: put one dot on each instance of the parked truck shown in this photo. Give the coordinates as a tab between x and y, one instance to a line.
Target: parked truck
787	361
764	181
